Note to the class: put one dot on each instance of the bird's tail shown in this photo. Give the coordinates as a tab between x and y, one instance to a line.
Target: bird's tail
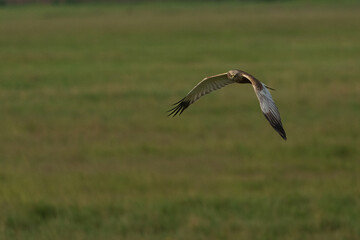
270	88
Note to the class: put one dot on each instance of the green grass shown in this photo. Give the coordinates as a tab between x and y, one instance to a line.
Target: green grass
87	152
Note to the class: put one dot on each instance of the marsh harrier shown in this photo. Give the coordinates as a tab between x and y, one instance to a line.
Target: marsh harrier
212	83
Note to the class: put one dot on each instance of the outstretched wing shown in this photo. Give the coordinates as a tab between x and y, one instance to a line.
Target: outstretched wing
269	109
207	85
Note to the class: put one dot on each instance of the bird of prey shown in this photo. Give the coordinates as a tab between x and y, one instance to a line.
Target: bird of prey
216	82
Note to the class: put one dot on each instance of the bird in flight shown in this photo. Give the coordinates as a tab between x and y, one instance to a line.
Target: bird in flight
212	83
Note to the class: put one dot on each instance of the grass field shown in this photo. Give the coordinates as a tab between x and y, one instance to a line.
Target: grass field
87	152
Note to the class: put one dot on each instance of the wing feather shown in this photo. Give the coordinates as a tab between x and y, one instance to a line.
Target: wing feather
269	109
206	86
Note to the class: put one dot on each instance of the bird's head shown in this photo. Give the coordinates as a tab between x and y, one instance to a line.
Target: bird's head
233	74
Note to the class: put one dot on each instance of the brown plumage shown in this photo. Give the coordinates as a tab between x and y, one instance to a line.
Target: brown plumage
212	83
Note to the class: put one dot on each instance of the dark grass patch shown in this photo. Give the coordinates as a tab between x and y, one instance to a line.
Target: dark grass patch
32	217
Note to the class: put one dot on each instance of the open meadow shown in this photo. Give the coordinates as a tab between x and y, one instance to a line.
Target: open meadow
88	152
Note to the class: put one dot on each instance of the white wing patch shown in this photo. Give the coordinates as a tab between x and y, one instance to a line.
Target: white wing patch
267	104
270	110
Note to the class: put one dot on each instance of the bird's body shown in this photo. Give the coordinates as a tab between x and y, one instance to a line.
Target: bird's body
215	82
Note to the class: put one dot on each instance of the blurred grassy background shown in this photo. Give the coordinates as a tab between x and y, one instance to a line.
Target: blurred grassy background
87	151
